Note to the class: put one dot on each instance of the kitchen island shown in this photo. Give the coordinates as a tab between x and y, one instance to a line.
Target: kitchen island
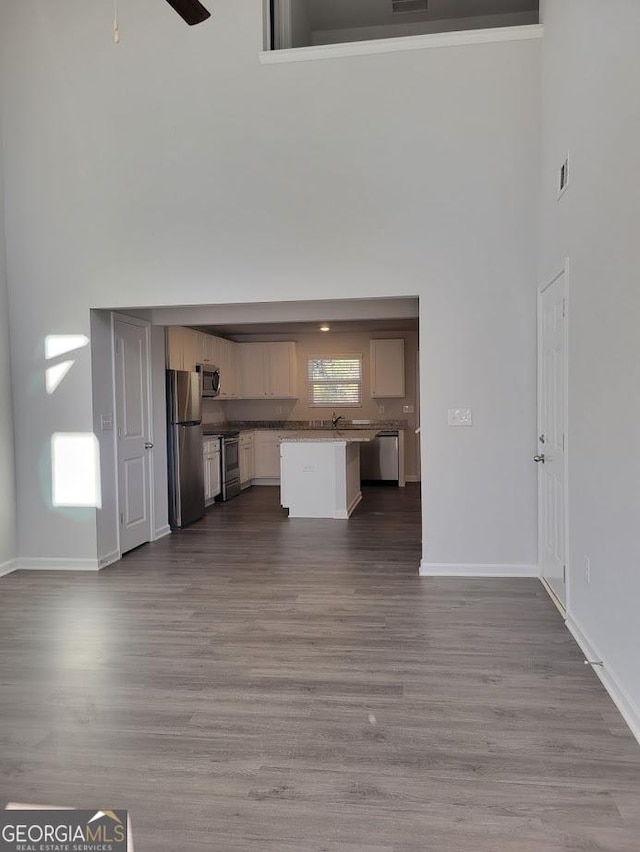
320	472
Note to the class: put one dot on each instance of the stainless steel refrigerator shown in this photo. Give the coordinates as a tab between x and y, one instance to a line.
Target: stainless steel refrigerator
186	470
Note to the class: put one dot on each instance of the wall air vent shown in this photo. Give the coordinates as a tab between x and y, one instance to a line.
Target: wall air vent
400	7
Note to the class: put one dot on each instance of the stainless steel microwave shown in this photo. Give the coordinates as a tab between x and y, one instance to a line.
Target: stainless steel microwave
210	381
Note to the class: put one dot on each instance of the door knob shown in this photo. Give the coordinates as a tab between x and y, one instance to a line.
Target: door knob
148	445
539	459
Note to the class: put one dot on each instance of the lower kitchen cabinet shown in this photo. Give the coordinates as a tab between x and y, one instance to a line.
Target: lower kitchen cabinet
212	473
267	455
247	459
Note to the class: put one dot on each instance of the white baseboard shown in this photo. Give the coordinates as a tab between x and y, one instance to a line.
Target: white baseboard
554	598
472	569
8	567
412	478
55	564
355	502
109	559
627	707
266	480
162	532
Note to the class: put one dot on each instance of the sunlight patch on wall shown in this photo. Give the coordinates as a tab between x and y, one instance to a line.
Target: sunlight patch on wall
75	469
60	344
56	345
56	374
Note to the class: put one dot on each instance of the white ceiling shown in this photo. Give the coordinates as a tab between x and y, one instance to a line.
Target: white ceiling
342	14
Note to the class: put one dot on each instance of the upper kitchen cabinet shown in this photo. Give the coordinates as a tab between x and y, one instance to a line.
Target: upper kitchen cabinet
268	370
387	368
182	348
227	360
206	350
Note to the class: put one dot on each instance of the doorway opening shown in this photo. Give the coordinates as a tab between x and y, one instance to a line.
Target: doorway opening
350	366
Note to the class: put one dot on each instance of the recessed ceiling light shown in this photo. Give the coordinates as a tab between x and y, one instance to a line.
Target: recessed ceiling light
324	328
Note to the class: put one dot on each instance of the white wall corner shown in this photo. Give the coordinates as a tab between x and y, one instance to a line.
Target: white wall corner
629	710
8	567
472	569
162	532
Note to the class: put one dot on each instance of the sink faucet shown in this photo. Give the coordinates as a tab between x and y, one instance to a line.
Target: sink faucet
335	420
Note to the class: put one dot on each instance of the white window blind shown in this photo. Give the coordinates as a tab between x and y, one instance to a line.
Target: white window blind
335	381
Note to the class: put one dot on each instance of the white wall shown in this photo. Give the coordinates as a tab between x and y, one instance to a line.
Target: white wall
398	30
590	75
8	543
175	169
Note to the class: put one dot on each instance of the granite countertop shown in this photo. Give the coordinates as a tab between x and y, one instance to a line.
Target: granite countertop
331	436
316	426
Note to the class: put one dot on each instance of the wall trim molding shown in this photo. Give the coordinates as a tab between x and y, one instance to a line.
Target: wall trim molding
412	478
395	45
57	564
472	569
8	567
162	532
109	559
629	710
554	598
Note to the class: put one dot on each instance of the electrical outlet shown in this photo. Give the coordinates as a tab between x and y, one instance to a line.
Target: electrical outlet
587	569
460	417
278	409
381	409
407	409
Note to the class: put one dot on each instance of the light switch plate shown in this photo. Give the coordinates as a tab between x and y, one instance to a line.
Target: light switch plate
407	409
460	417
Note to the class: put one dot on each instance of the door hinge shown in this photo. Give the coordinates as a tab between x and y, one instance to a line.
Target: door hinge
122	517
564	307
564	574
563	442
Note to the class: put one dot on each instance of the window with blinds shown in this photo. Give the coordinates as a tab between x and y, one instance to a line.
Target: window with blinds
335	381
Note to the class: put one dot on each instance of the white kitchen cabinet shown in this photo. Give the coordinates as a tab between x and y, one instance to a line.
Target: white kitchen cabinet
206	350
268	370
226	358
189	348
267	454
282	363
387	368
247	459
212	473
233	370
176	340
182	348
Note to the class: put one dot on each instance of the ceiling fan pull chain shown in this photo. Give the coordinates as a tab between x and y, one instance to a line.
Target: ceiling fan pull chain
116	31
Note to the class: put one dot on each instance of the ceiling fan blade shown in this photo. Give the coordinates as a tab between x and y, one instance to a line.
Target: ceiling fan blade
191	11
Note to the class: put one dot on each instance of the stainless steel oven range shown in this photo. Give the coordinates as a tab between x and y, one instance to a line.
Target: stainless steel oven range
230	465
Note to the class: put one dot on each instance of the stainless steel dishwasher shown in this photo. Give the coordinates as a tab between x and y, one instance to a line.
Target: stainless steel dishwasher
379	459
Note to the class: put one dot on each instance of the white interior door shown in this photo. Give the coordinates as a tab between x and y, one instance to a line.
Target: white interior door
552	436
132	414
